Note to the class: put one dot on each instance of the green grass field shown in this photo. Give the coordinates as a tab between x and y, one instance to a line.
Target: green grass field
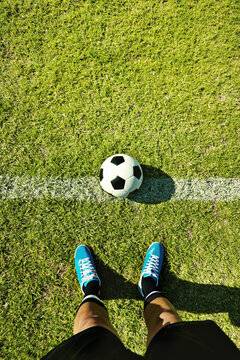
81	81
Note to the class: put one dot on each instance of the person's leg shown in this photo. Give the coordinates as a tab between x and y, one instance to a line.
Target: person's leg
92	314
92	311
159	313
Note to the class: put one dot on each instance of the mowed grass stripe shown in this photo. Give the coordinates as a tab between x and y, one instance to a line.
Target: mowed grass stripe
153	190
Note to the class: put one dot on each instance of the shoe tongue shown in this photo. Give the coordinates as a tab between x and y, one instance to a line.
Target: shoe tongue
146	275
88	281
88	278
150	274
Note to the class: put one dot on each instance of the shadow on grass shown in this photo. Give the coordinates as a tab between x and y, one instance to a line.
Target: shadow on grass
156	187
184	295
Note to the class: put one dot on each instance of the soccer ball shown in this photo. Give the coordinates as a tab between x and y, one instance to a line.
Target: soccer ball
120	175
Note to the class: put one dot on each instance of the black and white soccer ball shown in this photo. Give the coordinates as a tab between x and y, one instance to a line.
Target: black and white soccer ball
120	175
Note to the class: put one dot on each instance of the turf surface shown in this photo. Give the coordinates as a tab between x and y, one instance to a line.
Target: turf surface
80	82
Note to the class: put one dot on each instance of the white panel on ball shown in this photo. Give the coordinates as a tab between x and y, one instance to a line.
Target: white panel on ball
119	193
130	160
125	170
106	185
132	184
110	171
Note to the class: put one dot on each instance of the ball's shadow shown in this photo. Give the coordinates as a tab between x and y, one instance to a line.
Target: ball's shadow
156	187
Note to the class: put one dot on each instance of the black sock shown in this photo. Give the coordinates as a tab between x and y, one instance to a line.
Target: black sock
92	293
148	285
150	290
92	288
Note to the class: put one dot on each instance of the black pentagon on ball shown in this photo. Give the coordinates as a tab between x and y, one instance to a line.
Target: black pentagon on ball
137	171
117	160
101	174
118	183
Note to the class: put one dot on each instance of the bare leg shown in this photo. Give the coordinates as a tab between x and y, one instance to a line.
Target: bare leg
159	313
91	314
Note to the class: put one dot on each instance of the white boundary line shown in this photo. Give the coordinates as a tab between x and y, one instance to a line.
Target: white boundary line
153	190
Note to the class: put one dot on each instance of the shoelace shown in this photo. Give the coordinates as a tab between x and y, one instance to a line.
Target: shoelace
87	270
152	266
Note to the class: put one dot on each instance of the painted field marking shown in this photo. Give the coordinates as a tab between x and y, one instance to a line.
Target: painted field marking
153	190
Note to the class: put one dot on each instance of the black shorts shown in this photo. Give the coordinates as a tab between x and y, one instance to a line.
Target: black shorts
184	340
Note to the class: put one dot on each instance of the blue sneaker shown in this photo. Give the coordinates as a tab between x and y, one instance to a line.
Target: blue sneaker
85	267
152	264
